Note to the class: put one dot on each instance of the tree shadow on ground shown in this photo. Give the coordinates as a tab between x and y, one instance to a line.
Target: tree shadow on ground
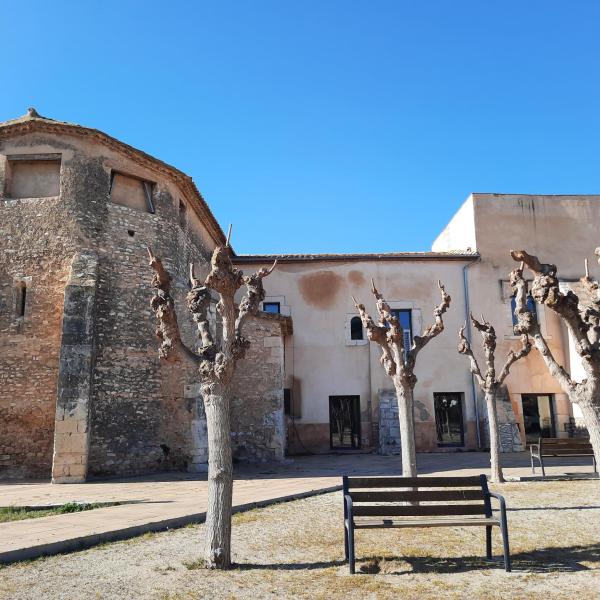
545	560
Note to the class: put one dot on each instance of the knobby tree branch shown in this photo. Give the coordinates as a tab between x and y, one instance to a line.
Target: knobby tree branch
433	330
464	347
488	380
527	323
388	333
545	289
162	304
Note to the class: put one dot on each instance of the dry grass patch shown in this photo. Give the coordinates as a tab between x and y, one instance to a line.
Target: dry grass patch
295	550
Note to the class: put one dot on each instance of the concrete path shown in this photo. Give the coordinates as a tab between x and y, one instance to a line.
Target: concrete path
159	502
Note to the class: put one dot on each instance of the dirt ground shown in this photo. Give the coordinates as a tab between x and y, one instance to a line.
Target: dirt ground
295	550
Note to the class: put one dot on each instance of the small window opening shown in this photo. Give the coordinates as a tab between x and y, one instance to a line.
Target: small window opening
131	191
404	316
272	307
130	232
21	300
356	329
182	214
531	307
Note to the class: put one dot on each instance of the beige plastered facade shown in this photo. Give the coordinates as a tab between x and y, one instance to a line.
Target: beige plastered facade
471	257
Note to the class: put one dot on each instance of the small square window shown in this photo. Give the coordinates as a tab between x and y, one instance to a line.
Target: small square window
272	307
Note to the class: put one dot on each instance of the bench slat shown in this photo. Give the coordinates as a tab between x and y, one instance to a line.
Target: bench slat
581	440
426	496
566	451
399	523
418	511
407	482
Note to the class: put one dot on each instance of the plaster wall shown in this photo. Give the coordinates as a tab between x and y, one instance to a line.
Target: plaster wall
321	363
560	230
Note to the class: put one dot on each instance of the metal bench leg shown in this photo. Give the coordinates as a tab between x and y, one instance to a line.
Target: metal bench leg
504	529
345	539
542	465
532	465
488	541
351	548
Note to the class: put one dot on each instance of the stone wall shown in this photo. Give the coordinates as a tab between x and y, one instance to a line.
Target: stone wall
141	416
258	430
73	399
510	434
389	426
38	238
134	413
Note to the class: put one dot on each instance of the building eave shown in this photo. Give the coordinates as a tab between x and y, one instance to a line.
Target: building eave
388	256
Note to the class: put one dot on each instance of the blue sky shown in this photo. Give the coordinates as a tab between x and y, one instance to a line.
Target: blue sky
322	126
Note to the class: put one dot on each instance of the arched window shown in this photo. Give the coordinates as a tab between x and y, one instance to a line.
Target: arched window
356	329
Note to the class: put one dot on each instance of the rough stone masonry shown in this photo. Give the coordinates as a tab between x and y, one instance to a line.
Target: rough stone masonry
83	392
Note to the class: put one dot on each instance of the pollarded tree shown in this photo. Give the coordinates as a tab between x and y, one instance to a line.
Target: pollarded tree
216	360
583	321
399	363
490	384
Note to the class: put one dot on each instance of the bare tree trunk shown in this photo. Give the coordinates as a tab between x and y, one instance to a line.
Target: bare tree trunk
490	402
216	360
582	318
489	381
220	479
406	416
591	417
399	363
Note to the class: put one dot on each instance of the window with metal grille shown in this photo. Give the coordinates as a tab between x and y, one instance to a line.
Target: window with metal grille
404	316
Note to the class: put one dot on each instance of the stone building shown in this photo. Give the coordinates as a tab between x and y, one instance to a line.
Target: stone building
82	389
83	392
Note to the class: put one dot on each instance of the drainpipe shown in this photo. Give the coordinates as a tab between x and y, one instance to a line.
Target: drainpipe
468	331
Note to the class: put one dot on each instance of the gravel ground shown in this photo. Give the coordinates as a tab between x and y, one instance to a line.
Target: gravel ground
295	550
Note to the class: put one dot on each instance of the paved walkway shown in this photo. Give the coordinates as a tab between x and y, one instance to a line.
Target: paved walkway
158	502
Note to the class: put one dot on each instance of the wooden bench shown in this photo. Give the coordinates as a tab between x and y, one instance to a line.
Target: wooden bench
461	502
547	447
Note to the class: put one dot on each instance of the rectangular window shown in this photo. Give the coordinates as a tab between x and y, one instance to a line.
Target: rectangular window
344	422
29	177
272	307
449	419
131	192
20	299
404	315
530	306
538	416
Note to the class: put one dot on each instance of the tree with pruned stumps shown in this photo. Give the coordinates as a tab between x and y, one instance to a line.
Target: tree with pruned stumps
582	318
216	360
489	382
399	363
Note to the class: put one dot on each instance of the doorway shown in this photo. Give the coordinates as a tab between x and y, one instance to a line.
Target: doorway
449	419
344	422
538	416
